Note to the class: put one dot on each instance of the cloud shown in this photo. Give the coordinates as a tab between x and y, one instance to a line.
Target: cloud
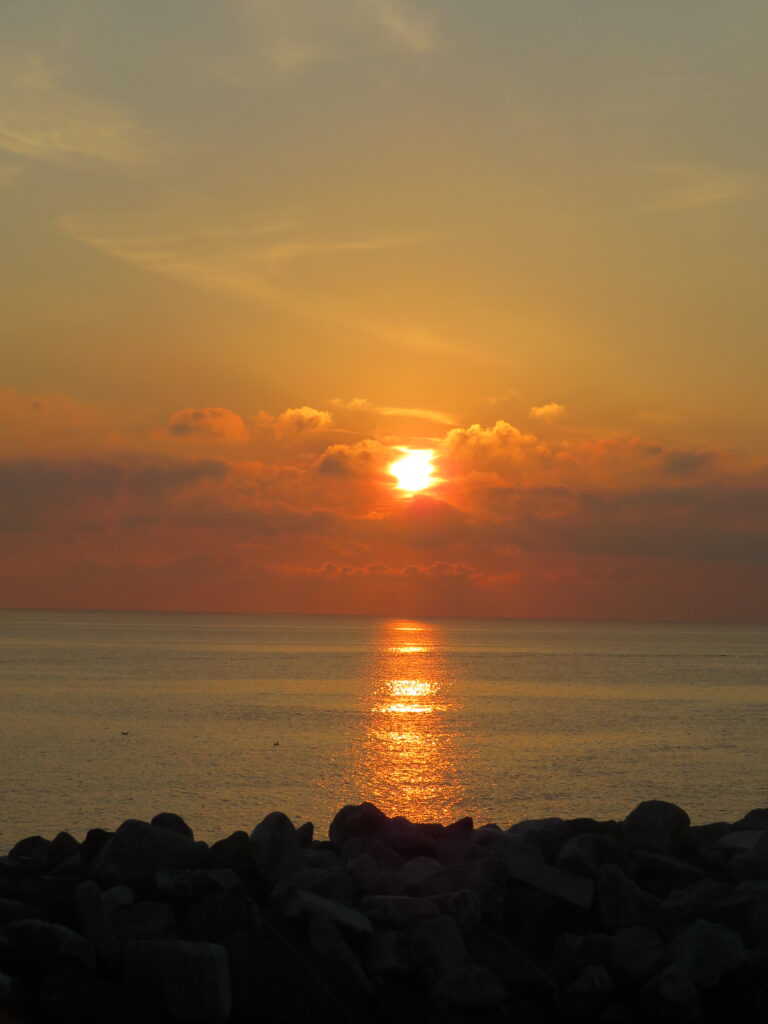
399	412
687	186
367	458
407	29
212	422
436	573
42	119
547	413
304	420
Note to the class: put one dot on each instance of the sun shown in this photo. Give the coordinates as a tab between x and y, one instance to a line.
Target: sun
414	471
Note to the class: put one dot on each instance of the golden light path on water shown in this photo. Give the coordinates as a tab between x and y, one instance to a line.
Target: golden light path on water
409	759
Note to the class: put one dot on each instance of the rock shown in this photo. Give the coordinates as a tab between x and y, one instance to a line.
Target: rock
275	845
463	905
307	904
754	819
677	994
117	896
73	995
325	940
406	838
193	885
95	841
216	916
546	834
415	871
304	833
516	972
234	852
40	945
636	954
385	953
138	849
190	979
435	947
577	892
657	824
620	902
589	993
95	924
398	911
580	855
660	873
355	820
741	842
15	910
62	848
704	951
470	986
148	919
383	856
30	851
173	823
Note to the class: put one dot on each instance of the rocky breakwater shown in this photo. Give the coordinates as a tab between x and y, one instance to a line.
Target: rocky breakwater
645	919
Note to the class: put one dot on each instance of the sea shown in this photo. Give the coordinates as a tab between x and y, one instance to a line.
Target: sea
224	718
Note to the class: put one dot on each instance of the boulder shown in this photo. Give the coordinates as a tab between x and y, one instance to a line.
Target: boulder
304	833
398	911
580	855
671	994
435	947
325	940
704	951
658	824
189	886
546	834
308	904
30	851
385	953
174	823
234	852
95	924
589	992
138	849
38	946
61	849
470	986
571	889
148	919
76	995
275	845
620	902
463	905
355	821
189	979
15	910
744	841
216	916
406	838
415	871
636	955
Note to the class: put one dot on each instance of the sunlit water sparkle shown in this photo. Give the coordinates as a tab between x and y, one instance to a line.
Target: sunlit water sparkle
230	717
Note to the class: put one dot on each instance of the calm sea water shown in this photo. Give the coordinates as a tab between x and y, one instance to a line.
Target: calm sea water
223	718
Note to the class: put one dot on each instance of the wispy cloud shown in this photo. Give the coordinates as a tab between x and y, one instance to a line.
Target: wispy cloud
409	29
42	119
363	405
687	186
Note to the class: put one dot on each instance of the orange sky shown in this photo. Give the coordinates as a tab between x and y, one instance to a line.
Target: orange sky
251	248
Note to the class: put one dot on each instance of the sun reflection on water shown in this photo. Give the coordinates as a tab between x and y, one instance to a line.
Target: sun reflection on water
408	761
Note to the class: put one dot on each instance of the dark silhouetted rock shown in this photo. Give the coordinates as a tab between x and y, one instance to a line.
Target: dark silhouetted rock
621	903
174	823
463	905
15	910
96	925
216	916
275	845
398	911
68	996
705	950
95	841
325	940
38	946
30	851
580	855
470	986
636	955
572	889
304	833
407	838
137	849
546	834
355	821
190	979
435	947
148	919
306	904
234	852
415	871
671	994
61	849
193	885
744	841
658	824
589	992
385	953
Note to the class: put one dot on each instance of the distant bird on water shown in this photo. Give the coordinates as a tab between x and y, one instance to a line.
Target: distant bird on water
276	743
123	732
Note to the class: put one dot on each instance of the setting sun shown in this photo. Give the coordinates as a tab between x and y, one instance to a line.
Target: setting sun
414	471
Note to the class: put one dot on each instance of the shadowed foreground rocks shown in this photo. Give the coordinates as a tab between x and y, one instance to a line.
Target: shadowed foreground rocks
649	919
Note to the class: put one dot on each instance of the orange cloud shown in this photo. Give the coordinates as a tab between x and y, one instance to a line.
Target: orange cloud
304	420
547	413
211	422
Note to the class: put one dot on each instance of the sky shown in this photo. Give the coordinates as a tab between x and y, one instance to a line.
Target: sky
253	248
